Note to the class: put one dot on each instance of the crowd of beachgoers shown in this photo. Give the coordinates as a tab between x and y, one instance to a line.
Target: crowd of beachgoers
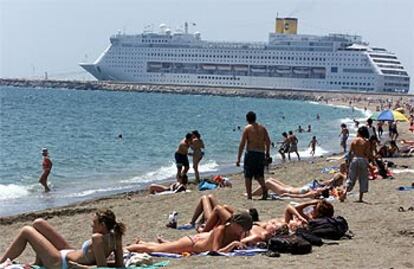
217	228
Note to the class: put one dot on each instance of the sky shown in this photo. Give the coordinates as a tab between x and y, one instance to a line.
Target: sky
53	36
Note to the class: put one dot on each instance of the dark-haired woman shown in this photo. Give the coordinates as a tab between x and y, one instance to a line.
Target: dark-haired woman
53	251
223	238
197	147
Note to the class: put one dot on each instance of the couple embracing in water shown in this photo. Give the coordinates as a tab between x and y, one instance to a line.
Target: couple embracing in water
192	140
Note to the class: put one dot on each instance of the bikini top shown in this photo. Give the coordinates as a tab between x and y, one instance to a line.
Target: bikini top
86	245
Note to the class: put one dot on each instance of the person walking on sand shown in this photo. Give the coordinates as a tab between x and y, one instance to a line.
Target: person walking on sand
197	146
47	167
255	139
284	147
344	134
359	154
293	140
312	145
181	158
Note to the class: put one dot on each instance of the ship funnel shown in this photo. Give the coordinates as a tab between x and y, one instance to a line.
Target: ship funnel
286	26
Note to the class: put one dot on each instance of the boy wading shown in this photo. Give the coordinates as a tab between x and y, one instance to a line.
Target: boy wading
257	143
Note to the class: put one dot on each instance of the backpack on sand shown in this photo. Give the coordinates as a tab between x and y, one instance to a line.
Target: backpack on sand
328	228
289	244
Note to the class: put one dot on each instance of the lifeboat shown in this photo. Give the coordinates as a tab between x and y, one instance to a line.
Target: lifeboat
258	68
241	68
301	70
283	69
224	67
208	66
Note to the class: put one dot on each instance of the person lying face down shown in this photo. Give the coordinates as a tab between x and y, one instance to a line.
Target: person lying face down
223	238
53	251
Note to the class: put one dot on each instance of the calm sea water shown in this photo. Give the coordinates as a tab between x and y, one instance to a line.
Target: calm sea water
81	128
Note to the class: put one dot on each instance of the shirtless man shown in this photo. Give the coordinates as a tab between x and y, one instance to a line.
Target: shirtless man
359	154
293	141
47	167
257	143
181	158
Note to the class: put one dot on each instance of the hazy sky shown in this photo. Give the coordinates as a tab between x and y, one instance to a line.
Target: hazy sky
55	35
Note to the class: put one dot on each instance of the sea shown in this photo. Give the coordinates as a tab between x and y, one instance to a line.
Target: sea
82	131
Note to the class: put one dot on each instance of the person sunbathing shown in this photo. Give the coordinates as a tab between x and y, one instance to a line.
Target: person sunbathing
179	186
307	191
208	213
303	213
223	238
53	251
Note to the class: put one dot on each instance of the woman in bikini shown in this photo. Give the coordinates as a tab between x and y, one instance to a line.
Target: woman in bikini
303	213
179	186
209	213
223	238
306	191
53	251
197	146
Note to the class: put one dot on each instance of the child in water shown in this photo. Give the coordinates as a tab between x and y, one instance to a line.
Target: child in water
312	145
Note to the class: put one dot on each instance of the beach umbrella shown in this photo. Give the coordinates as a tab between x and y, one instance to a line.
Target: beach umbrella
389	115
374	115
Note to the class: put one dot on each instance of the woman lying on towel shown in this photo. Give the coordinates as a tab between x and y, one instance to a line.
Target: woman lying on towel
306	191
213	214
53	251
223	238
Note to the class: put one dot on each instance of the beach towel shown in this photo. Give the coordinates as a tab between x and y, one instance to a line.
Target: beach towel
330	170
170	192
205	186
405	188
238	252
186	227
399	171
151	266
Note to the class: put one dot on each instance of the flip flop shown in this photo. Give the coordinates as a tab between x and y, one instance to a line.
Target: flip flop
401	209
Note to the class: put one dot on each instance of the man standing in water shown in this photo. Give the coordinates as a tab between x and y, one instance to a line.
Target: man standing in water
257	143
293	140
181	158
359	154
344	136
47	167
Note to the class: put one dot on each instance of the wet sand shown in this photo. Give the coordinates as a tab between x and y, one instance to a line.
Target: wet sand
384	237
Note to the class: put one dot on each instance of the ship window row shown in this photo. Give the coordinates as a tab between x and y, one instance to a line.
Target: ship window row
238	56
392	72
394	90
386	61
154	41
350	83
224	78
356	88
357	70
238	70
397	84
391	66
382	56
397	78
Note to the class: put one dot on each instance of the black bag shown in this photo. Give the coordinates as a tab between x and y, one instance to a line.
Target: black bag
328	228
289	244
311	238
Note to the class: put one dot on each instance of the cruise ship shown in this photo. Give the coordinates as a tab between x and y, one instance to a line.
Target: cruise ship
289	60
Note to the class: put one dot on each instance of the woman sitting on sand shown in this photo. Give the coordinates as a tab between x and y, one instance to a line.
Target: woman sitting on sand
179	186
53	251
306	191
223	238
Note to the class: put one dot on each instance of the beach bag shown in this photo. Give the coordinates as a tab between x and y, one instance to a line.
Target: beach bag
289	244
311	238
328	228
205	185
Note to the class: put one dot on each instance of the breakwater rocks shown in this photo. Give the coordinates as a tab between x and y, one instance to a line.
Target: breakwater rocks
304	95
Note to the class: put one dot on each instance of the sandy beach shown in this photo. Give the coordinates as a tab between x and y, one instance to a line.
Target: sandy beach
384	237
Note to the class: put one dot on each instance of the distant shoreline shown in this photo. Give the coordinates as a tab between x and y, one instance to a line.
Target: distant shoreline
290	94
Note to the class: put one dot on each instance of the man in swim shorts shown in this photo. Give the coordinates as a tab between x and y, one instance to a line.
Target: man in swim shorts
255	139
181	158
359	154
